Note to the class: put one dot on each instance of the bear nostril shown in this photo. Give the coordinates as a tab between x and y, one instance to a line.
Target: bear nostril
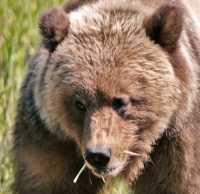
98	158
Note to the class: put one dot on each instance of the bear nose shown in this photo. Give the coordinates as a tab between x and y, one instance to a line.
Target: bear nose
98	157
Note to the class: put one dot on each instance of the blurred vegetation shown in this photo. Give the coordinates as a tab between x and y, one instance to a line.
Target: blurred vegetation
18	39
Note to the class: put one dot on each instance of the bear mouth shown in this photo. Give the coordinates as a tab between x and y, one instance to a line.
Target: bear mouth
108	172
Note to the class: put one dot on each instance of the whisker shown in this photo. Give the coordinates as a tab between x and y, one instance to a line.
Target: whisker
131	153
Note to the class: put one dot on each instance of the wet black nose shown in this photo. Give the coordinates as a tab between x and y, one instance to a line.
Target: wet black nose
98	157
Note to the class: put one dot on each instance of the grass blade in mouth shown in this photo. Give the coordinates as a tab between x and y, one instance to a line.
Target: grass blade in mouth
79	173
131	153
103	179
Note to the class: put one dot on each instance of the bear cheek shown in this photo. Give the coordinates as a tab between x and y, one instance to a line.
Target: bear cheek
74	124
61	114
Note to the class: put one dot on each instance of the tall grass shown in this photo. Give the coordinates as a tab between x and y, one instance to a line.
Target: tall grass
18	39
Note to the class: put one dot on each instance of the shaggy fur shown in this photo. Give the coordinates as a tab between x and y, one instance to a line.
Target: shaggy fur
120	74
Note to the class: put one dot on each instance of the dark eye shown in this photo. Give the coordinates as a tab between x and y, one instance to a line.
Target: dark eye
119	103
80	106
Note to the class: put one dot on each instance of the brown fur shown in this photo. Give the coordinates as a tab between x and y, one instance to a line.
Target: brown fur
134	68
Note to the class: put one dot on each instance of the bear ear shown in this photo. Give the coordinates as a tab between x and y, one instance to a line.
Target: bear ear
164	27
54	27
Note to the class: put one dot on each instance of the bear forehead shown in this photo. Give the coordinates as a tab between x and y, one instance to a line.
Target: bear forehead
110	38
111	46
114	73
112	20
87	58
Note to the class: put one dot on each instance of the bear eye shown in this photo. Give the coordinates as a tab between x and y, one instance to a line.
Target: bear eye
80	106
119	103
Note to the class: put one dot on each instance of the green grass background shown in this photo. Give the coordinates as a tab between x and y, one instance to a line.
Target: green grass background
18	39
19	36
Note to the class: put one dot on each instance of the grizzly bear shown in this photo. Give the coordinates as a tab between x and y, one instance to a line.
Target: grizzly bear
113	87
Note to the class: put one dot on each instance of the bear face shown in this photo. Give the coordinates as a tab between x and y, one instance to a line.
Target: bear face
110	84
